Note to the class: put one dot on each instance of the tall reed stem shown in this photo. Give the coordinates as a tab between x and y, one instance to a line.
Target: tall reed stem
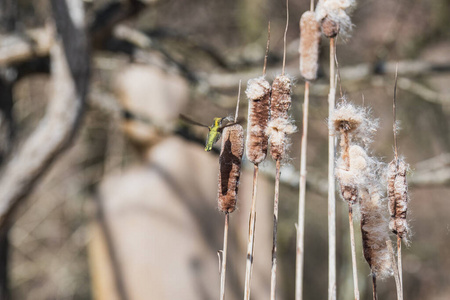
374	287
301	203
395	268
353	249
223	269
331	181
399	263
251	237
273	277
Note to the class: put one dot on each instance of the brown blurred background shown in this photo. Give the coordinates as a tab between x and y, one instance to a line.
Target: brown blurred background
100	221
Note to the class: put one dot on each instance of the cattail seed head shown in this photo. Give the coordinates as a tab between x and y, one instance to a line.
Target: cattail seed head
280	124
348	118
309	45
334	16
258	93
230	167
352	174
281	98
374	233
398	197
329	27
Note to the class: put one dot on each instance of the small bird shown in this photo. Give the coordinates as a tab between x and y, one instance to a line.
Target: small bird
215	130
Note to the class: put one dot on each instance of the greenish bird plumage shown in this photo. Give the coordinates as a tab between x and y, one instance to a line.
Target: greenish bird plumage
214	133
215	130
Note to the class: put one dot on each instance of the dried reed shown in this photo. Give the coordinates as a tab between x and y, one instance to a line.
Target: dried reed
398	194
331	181
280	127
258	93
309	55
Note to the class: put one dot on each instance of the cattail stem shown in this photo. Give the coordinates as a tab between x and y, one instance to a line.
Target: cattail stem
399	263
301	203
353	249
374	287
273	277
396	273
223	269
331	182
251	237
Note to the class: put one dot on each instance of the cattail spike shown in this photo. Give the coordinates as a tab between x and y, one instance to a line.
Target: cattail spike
280	125
230	167
258	92
374	233
309	45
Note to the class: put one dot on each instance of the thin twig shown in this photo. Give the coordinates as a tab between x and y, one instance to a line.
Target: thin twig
273	277
311	5
353	249
331	182
399	239
338	72
394	112
251	237
302	199
284	38
238	100
223	269
267	49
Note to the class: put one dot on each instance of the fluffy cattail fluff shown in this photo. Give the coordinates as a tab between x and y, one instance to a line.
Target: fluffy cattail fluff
352	123
348	118
351	175
398	197
374	231
258	93
333	15
309	45
230	167
280	124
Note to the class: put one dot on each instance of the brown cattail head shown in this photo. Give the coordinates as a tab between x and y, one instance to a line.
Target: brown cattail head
230	167
357	121
329	27
334	18
280	124
398	198
309	45
258	93
280	102
374	233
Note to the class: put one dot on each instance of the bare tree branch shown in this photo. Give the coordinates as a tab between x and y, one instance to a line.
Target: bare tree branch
70	73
